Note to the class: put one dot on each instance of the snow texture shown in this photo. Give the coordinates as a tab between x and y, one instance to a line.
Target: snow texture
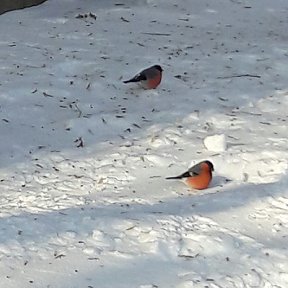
216	143
83	157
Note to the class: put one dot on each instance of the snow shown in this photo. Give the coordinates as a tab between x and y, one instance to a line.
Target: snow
216	143
84	200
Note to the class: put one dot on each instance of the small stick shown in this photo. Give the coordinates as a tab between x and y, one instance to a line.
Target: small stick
156	34
238	76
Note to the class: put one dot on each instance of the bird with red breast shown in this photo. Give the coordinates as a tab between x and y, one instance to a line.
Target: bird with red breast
149	78
198	176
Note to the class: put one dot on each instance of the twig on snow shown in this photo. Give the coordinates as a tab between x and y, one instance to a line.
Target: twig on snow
156	34
238	76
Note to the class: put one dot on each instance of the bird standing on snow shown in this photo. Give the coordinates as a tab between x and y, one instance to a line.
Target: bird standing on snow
150	78
197	177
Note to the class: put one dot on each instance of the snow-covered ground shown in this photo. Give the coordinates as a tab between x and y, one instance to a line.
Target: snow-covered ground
83	157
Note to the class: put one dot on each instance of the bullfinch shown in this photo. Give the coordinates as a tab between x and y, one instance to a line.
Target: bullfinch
197	177
149	78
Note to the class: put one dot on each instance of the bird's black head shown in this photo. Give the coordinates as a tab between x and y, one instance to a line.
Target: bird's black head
158	67
210	165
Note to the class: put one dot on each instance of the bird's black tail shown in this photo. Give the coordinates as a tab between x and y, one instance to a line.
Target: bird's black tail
137	78
174	177
184	175
130	80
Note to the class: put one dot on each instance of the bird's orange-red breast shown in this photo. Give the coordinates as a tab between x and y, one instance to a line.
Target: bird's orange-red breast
149	78
197	177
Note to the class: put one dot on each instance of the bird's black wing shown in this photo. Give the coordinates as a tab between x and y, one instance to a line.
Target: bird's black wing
195	170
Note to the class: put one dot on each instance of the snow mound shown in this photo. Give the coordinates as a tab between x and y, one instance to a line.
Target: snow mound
216	143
